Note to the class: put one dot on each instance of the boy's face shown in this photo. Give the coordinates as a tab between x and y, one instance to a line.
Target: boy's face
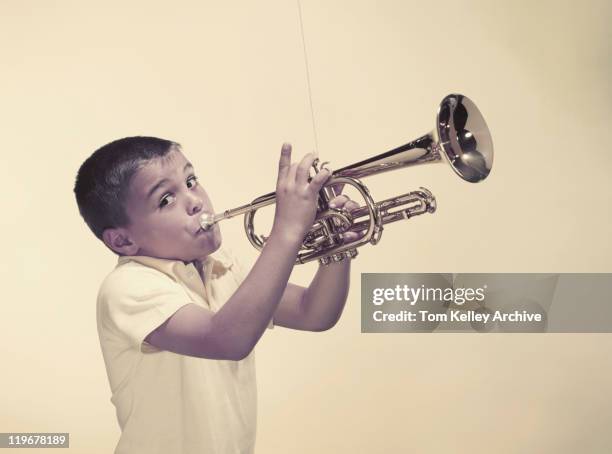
164	203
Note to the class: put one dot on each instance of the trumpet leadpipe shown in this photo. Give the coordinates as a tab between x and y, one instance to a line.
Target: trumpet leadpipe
207	220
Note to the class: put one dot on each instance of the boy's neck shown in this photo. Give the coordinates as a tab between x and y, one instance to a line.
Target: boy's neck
199	265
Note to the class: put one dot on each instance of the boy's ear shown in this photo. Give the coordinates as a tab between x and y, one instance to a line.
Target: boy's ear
119	240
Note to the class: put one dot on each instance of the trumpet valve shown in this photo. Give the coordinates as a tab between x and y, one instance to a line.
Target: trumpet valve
327	230
339	256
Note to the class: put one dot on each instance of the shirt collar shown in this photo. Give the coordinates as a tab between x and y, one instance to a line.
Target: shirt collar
216	264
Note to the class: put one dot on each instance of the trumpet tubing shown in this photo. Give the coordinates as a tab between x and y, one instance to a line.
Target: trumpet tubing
411	204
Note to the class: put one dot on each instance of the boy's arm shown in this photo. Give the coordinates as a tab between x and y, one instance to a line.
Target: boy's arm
318	307
233	331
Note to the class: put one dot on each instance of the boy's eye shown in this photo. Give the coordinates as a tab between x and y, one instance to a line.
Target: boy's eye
166	200
192	181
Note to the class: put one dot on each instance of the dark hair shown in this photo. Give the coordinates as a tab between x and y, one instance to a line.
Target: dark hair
103	179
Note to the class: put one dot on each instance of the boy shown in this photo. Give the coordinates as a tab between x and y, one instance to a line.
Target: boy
178	317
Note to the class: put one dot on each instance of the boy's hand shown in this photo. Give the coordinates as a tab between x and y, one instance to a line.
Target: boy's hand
296	197
343	202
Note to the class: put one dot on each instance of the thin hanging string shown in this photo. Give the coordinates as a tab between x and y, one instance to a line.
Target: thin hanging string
314	128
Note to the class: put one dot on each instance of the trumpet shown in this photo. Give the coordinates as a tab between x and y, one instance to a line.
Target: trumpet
461	138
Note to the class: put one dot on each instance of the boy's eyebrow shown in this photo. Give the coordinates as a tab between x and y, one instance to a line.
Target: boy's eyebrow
165	180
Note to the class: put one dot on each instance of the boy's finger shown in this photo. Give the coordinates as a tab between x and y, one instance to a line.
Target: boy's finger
291	173
303	170
347	237
285	161
338	201
319	180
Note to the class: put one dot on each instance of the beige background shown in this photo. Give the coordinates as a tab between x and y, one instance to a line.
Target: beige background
229	83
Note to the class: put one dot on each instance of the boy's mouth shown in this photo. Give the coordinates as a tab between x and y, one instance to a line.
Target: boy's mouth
200	230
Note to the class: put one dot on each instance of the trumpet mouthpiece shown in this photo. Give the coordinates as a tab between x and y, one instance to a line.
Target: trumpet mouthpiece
207	220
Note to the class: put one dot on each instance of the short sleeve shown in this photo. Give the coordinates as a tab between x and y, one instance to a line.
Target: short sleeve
134	300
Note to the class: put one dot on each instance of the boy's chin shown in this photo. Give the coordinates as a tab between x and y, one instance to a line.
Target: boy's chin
215	248
212	247
198	251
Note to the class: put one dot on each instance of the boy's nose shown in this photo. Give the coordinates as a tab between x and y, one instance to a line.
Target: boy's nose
194	205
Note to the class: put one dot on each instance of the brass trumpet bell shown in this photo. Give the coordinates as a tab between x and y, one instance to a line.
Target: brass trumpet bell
461	137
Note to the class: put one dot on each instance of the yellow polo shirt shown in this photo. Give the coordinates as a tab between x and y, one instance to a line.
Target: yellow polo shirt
165	402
